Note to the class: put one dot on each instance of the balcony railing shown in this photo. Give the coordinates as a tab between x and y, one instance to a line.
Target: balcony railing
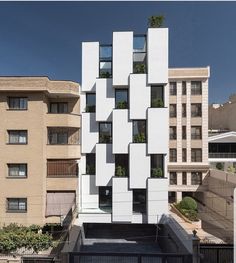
222	155
62	169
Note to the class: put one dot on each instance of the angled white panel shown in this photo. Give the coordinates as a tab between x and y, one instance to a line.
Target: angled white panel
105	164
105	99
122	61
158	130
122	204
89	132
139	96
90	65
157	199
157	55
89	192
139	165
121	131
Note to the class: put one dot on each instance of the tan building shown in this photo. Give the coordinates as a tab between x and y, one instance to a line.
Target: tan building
188	156
39	149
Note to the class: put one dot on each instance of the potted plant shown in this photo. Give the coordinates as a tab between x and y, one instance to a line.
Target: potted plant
139	138
157	173
90	108
105	75
140	68
120	171
122	105
90	169
157	103
155	21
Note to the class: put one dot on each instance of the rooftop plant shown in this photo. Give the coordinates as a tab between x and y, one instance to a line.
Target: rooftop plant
156	21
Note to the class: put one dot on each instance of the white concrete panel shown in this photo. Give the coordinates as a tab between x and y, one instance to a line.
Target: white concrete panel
139	165
89	132
139	96
105	164
90	65
157	55
122	62
89	192
158	130
121	131
105	99
157	199
122	204
93	218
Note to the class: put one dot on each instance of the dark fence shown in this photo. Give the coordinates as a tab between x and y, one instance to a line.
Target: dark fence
119	257
217	253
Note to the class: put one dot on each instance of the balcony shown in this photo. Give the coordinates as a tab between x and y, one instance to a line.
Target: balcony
63	151
62	168
63	120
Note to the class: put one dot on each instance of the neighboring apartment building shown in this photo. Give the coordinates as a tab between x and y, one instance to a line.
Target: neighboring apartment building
39	151
188	157
125	129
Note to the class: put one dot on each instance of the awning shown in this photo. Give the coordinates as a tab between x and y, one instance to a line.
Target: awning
59	203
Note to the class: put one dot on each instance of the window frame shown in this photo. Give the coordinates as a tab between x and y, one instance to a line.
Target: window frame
10	165
173	135
173	180
184	110
196	91
195	136
127	92
174	113
196	181
173	90
184	88
184	154
99	132
194	155
184	178
17	131
90	94
57	111
19	98
100	189
194	113
18	199
145	135
171	159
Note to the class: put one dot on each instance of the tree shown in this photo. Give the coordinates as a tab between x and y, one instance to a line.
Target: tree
156	21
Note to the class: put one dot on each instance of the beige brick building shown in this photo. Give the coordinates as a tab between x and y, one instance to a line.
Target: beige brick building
188	157
39	149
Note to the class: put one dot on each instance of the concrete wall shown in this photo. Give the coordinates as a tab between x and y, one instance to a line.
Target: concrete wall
89	195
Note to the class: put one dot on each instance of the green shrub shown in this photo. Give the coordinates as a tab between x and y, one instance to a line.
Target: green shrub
155	21
231	169
157	173
157	103
140	138
219	166
105	75
90	108
120	171
140	68
122	105
188	203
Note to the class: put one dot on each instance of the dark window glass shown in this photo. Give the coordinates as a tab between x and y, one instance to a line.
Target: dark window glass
17	137
196	110
90	163
157	96
139	131
184	178
17	103
58	107
139	43
59	136
90	102
16	204
121	97
105	197
196	87
172	110
183	87
105	132
173	88
184	132
105	52
172	132
122	165
105	64
173	155
139	201
157	165
139	54
196	178
196	155
173	178
184	155
196	132
17	170
184	110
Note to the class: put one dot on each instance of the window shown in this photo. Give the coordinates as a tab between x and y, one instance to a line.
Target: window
172	110
58	107
173	178
196	132
105	197
58	136
17	170
183	132
90	102
196	110
196	155
62	168
139	131
173	88
122	165
184	110
16	204
105	132
157	165
105	64
90	163
173	155
183	87
139	54
121	97
17	103
139	201
196	88
184	155
17	137
157	96
196	178
184	178
172	132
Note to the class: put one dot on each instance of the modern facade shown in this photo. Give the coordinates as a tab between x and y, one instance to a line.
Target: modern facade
125	128
39	142
188	127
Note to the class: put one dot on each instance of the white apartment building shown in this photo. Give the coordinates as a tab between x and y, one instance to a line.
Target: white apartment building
125	129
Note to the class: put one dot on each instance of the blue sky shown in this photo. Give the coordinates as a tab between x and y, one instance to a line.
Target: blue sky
44	38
